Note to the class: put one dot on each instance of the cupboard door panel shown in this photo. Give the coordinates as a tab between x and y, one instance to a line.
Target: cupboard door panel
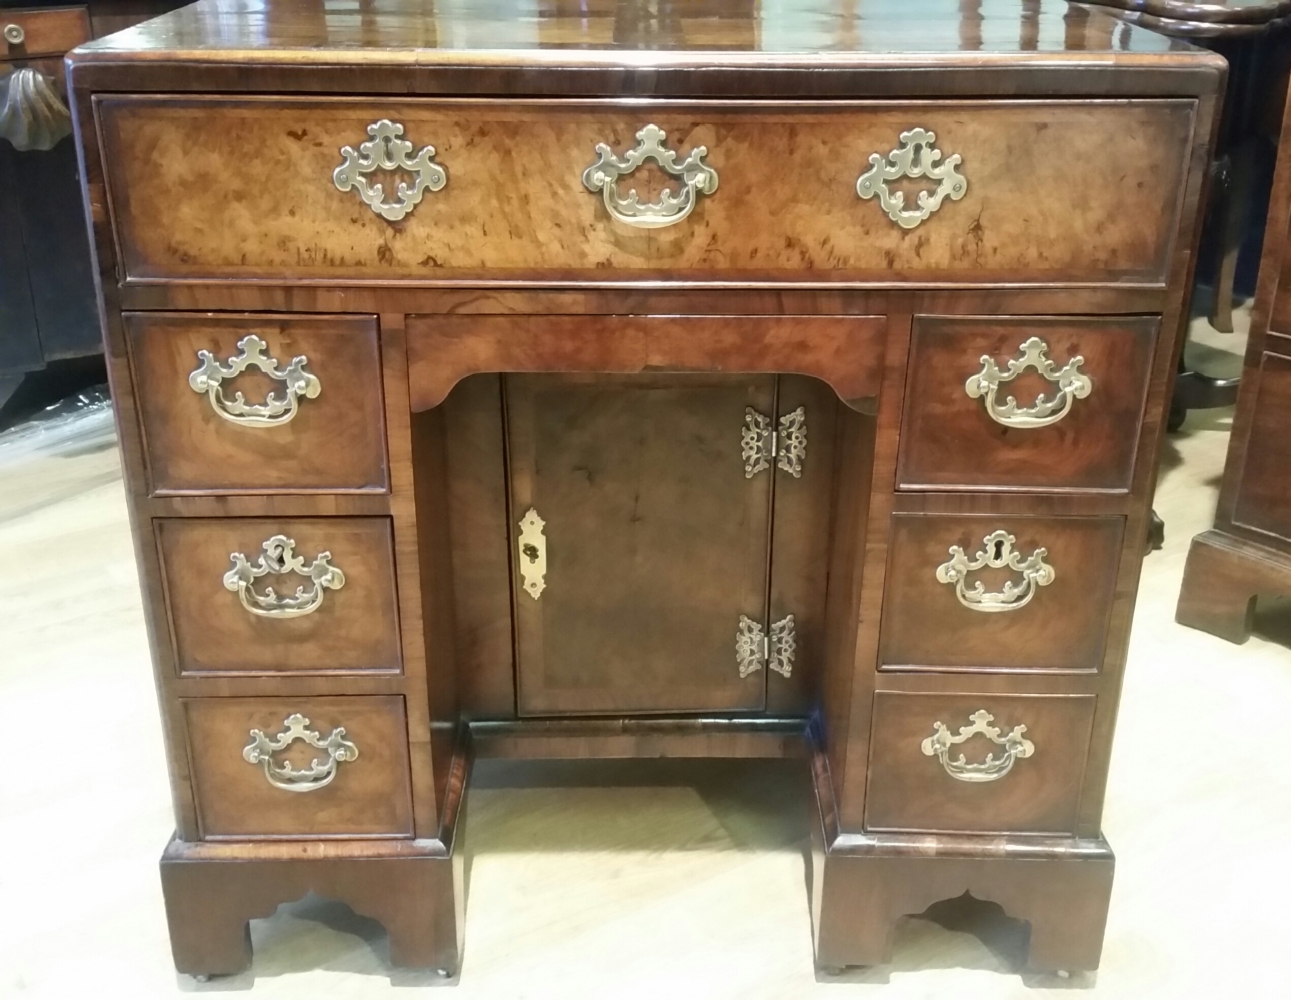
656	541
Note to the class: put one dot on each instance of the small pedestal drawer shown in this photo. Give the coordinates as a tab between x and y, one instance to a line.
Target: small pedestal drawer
280	595
300	767
259	404
981	763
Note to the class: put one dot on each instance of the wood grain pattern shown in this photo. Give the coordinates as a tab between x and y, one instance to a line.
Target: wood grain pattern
356	628
801	535
335	442
1063	627
1264	503
370	796
514	206
1248	552
656	541
478	505
949	441
846	352
51	32
911	791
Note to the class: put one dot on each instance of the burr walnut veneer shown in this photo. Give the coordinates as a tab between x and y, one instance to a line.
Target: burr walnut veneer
620	380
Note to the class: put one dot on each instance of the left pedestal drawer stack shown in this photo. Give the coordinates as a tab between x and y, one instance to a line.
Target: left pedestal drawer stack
277	597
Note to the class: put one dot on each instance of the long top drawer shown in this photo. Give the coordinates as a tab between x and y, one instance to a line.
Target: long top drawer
1037	192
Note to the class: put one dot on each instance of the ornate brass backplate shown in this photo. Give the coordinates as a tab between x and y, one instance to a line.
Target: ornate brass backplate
916	157
319	774
991	769
386	150
1032	353
533	554
209	376
997	553
279	558
697	178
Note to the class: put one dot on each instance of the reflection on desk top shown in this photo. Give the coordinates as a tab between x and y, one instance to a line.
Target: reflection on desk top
633	33
1254	12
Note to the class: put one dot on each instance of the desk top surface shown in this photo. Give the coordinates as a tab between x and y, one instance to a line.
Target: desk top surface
630	32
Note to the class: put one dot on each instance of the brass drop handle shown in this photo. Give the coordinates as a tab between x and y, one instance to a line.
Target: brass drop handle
916	157
386	151
278	557
33	115
993	768
290	779
997	553
697	178
209	375
1072	385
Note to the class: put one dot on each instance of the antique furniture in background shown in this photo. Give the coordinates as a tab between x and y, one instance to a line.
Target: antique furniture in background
47	307
1248	552
1255	37
627	380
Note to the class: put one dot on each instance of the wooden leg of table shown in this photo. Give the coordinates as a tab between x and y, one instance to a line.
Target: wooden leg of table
1221	580
413	890
862	885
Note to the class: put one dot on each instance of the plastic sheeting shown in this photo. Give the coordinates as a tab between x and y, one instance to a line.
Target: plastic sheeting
66	449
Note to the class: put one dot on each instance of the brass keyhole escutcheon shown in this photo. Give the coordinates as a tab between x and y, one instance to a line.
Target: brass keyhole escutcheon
533	554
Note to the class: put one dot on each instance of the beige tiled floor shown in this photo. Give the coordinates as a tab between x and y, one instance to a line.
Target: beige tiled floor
686	883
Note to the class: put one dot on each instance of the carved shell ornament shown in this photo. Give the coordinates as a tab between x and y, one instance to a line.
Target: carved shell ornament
916	157
33	115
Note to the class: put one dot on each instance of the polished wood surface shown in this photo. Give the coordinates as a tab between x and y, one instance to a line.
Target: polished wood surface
949	441
911	791
368	797
1247	554
514	205
618	33
525	343
845	351
655	541
46	32
335	442
353	629
1061	628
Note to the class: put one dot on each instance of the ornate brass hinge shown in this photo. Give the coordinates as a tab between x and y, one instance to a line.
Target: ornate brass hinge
754	649
759	444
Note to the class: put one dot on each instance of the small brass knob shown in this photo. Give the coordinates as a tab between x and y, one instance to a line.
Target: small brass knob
14	35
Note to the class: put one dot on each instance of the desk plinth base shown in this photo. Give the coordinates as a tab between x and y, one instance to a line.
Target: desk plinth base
414	888
862	884
1221	580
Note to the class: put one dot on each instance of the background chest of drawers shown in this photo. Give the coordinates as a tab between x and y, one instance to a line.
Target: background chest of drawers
836	438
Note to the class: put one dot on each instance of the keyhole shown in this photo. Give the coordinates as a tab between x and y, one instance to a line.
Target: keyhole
530	551
999	549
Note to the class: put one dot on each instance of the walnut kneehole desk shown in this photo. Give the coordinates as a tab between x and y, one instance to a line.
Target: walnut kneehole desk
640	386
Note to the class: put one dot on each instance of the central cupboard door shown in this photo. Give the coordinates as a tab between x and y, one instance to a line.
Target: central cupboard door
656	541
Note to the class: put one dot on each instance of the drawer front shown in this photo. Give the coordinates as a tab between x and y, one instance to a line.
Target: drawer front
1011	779
27	34
1036	610
280	596
259	404
1078	389
300	767
204	188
